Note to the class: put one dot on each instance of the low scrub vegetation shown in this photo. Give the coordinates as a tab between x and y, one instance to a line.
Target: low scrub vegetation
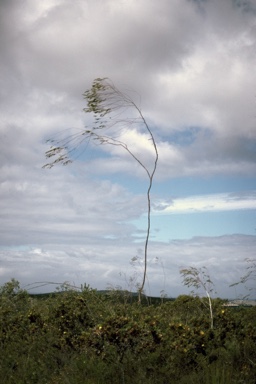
91	337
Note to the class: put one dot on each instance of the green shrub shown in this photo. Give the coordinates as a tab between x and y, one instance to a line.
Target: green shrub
88	337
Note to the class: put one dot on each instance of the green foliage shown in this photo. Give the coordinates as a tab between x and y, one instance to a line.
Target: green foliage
88	337
100	99
12	288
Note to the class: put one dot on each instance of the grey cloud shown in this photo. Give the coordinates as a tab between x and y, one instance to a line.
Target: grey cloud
192	64
244	195
160	206
223	256
39	206
53	49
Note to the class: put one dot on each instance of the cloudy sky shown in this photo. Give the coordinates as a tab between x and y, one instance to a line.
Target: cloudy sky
190	67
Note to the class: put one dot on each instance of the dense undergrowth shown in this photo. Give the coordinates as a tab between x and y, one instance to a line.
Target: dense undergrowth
87	337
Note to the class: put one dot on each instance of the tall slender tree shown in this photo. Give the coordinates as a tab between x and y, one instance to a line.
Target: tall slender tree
113	112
